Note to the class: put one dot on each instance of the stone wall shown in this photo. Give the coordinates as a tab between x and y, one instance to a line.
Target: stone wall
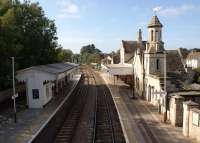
191	120
176	110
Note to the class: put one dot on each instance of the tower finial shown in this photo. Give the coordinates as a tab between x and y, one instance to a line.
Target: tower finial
156	9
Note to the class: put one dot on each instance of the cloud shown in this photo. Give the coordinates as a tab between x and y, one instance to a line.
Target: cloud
173	11
68	10
157	8
71	9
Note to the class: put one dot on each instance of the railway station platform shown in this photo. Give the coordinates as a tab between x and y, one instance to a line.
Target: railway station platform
31	120
141	123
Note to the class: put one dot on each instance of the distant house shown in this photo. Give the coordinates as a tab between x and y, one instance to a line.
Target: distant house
193	60
111	59
45	80
107	60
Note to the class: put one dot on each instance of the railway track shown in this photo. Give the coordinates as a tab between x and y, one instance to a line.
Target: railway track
66	132
107	128
93	117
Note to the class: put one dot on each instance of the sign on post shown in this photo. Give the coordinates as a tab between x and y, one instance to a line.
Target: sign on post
16	95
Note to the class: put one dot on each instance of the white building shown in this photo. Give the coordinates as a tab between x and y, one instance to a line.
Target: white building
45	80
193	60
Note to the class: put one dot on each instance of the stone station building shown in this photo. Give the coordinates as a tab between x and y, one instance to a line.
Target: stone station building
160	76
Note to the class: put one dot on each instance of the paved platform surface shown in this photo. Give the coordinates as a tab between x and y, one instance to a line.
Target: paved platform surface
30	120
140	120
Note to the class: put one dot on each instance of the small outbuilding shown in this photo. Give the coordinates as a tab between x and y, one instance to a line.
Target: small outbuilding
44	81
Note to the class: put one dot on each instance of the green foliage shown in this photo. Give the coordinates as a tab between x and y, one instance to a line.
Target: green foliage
197	76
198	80
90	54
26	33
65	55
76	58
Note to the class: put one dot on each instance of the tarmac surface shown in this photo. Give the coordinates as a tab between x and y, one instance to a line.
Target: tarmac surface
30	120
141	123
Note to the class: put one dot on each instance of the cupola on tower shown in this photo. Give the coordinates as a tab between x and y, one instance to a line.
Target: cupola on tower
154	43
154	54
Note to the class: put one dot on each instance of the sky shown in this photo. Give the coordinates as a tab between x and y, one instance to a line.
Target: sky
106	23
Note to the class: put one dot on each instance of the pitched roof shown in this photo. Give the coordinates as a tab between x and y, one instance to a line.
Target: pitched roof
183	53
174	63
155	22
52	68
130	47
193	55
175	71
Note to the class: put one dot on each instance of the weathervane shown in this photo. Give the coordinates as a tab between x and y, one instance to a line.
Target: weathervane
156	10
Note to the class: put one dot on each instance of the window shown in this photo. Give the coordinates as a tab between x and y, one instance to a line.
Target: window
157	64
151	35
35	93
157	35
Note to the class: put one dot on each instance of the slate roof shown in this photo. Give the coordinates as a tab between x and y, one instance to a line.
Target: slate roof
176	74
183	53
174	63
193	55
52	68
130	47
155	22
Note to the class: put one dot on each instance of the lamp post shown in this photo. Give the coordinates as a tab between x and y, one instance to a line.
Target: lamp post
14	96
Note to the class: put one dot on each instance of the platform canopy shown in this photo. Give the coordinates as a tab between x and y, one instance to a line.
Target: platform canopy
120	69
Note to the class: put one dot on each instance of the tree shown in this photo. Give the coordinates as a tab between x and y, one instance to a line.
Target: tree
89	54
65	55
91	49
76	58
25	33
197	76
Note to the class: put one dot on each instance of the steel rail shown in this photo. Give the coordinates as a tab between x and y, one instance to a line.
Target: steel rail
76	110
108	112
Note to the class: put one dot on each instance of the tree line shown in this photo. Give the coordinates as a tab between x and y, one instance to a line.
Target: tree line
90	54
29	36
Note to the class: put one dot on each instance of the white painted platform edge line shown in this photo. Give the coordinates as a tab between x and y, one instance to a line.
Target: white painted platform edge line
120	118
54	112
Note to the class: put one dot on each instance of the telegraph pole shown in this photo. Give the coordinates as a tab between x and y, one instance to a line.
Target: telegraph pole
165	86
14	96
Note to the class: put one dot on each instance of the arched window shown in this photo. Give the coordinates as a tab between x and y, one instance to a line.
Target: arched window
157	35
151	35
157	64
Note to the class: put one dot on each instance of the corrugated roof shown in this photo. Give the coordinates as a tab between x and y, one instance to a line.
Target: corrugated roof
53	68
